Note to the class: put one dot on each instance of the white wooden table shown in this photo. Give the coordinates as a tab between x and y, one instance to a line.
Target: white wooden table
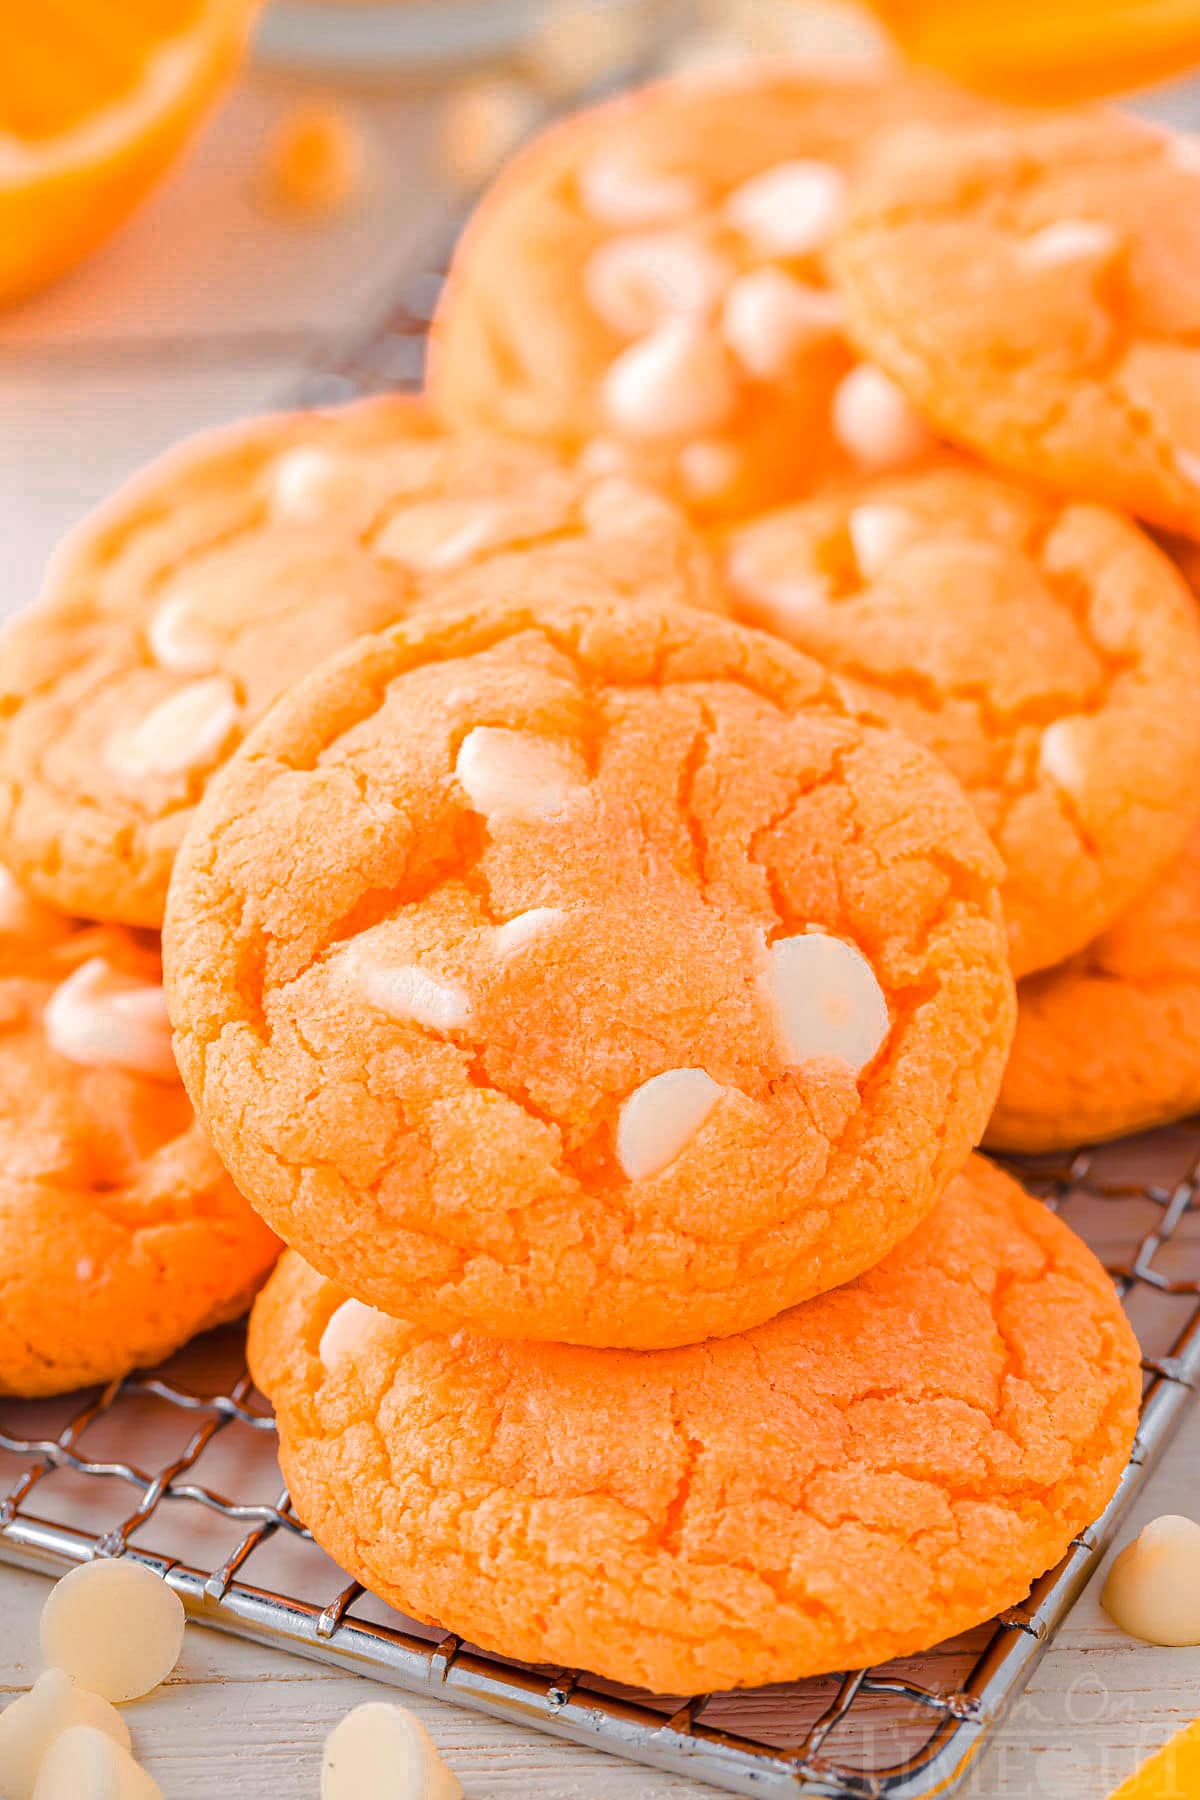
204	309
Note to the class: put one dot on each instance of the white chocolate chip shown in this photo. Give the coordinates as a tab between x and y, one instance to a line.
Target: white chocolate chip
1069	241
114	1626
1059	758
381	1752
176	640
874	422
827	1000
616	191
1188	464
85	1764
307	483
634	283
877	530
407	992
676	382
660	1117
1153	1586
790	210
515	933
431	535
348	1329
188	730
101	1018
516	774
603	456
708	469
31	1722
761	570
770	317
618	507
85	1269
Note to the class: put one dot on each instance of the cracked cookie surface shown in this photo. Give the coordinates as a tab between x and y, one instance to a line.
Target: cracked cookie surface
648	284
1035	291
1049	653
1110	1042
121	1236
862	1477
215	579
590	974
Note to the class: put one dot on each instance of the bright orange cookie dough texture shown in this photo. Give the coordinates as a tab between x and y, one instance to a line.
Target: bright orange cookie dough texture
121	1236
586	973
1035	291
209	584
1110	1042
1049	653
865	1475
648	285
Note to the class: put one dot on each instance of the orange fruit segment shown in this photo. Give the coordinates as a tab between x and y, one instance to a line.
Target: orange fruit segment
94	104
1049	51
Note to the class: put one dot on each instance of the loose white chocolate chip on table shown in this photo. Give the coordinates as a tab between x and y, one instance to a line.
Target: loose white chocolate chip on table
114	1626
877	531
515	933
407	992
1059	756
31	1722
517	775
676	382
874	421
1153	1586
348	1329
102	1018
769	317
790	210
188	730
176	637
382	1752
634	283
84	1764
616	191
660	1117
1068	241
827	1000
431	535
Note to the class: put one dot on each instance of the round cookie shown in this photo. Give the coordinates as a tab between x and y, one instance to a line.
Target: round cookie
1049	653
858	1479
1110	1042
121	1236
591	974
1036	292
175	615
647	284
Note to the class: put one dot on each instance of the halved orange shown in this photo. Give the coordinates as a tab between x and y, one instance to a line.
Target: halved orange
95	101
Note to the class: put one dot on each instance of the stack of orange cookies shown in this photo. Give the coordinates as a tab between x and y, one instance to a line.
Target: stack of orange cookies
608	820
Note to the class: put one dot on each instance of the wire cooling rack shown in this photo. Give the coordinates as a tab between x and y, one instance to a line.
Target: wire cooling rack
178	1468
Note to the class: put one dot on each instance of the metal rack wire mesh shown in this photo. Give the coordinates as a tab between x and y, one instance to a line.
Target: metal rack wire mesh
178	1468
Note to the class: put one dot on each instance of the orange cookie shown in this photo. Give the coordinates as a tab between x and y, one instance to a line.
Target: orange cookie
858	1479
589	974
648	284
218	577
121	1235
1049	653
1110	1042
1036	292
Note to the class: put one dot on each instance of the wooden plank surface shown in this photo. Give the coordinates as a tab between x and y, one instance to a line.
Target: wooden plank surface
207	308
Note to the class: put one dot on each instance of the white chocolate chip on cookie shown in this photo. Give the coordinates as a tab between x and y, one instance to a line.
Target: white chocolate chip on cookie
1153	1586
660	1117
827	1000
431	535
524	929
186	731
407	992
875	423
877	531
101	1018
517	775
675	382
349	1328
617	191
633	283
791	209
770	317
1070	241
